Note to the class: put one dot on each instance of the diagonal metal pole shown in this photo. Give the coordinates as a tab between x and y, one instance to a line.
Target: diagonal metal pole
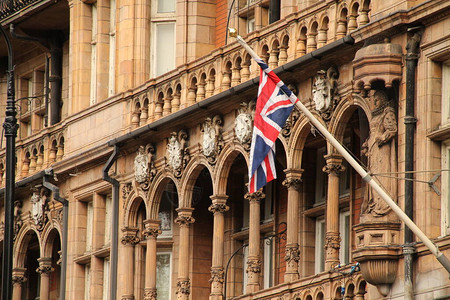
10	126
358	168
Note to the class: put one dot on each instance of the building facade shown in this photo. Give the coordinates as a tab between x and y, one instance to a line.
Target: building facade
137	116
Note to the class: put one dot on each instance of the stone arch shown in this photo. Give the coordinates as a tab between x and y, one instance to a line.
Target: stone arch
48	240
156	192
190	175
344	111
299	134
223	166
349	290
21	244
131	206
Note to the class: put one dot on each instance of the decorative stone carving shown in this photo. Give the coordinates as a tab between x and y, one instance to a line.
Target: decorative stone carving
144	166
2	230
380	151
212	140
151	232
255	197
333	168
292	254
17	217
243	124
254	265
150	294
45	266
184	287
177	152
292	183
332	240
39	207
129	236
324	91
218	207
18	279
184	220
290	122
217	275
126	190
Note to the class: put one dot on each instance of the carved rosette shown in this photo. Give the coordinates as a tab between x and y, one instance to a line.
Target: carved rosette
243	124
218	208
184	287
217	275
292	254
177	153
212	138
255	197
293	183
129	236
254	265
150	294
144	166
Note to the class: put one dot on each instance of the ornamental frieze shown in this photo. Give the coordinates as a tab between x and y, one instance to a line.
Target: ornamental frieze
212	138
243	124
177	153
324	90
144	166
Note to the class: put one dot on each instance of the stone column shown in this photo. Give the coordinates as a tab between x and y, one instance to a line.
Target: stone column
151	232
129	239
332	239
184	219
292	257
18	279
254	260
45	267
218	208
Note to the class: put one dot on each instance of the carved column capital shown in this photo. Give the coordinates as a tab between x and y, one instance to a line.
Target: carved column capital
45	266
332	240
334	164
292	254
18	276
129	236
218	208
217	275
151	229
254	265
183	287
255	197
150	294
184	216
293	183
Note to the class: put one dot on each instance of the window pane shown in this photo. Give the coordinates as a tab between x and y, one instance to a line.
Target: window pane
165	6
163	276
165	48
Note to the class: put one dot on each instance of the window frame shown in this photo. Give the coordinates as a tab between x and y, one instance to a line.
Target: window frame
165	252
445	189
319	250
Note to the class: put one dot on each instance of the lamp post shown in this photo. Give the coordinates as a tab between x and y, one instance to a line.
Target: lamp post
10	127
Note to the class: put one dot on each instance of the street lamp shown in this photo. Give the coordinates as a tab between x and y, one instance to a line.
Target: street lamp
10	127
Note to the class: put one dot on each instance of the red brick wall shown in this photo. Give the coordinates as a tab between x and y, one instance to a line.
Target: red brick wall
221	22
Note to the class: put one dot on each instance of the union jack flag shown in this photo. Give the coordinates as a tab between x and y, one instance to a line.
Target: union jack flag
274	105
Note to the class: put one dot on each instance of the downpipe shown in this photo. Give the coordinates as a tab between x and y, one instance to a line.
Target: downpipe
412	56
112	294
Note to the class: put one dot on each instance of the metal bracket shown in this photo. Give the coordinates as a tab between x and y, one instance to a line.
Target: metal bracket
432	181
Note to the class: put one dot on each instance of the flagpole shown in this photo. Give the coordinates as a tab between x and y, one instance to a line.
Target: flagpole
358	168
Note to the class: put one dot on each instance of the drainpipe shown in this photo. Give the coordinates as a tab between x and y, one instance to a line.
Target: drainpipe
412	56
114	224
65	203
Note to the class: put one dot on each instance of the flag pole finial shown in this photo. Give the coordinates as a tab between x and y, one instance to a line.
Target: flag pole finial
232	32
